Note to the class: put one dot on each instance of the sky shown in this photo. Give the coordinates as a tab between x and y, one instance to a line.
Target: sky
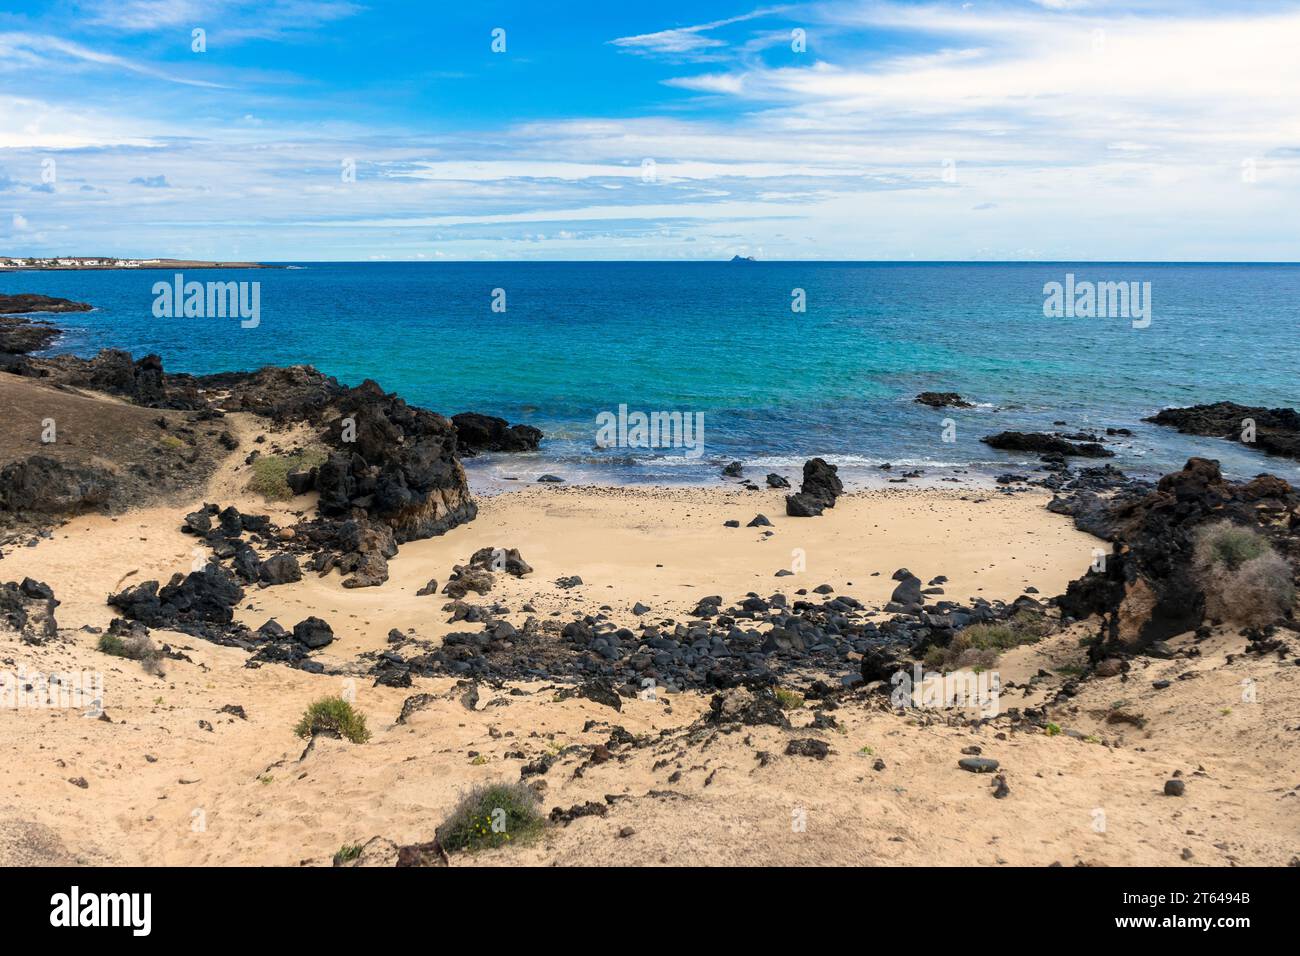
292	130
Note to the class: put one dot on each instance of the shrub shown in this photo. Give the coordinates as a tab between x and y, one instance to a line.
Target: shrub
270	472
347	853
134	646
978	646
333	715
788	699
494	815
1224	544
1243	578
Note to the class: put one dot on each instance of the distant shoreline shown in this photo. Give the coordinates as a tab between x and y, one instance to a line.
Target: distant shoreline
91	263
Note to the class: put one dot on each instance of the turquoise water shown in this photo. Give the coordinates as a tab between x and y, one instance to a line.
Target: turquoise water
774	386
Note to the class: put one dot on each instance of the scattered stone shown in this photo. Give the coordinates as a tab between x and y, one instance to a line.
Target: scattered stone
808	747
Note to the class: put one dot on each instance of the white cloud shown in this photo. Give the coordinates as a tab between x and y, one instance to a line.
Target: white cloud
39	51
686	40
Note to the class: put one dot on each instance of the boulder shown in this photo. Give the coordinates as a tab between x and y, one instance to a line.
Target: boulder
313	633
478	433
1043	444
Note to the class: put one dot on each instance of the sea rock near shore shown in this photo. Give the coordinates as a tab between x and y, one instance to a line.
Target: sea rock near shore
30	302
1277	430
1147	591
1044	444
942	400
478	433
821	486
18	335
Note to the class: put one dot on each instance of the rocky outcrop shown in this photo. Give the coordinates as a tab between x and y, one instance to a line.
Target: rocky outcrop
18	336
821	486
478	433
44	485
1147	591
395	464
942	400
27	606
200	597
294	393
1043	444
113	371
1276	431
29	302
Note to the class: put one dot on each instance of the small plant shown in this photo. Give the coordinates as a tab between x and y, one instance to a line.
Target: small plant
265	779
866	752
479	761
171	442
1052	729
978	646
492	816
1229	545
347	853
1243	578
788	699
271	472
335	716
133	646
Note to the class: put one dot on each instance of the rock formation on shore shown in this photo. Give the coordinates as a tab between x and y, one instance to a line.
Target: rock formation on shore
1148	591
1044	444
821	486
1275	430
391	464
478	433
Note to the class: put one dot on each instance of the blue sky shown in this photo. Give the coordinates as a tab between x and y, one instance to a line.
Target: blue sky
846	129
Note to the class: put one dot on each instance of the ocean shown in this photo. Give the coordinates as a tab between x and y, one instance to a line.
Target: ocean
567	344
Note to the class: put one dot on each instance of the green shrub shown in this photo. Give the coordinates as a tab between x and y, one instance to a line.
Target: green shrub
347	853
494	815
1227	545
788	699
333	715
270	472
1243	578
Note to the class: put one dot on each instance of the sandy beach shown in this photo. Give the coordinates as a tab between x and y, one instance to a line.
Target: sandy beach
167	777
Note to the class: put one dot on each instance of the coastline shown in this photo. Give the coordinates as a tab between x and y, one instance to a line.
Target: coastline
672	671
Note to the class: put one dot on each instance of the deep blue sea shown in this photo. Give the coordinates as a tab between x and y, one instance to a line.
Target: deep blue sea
775	386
